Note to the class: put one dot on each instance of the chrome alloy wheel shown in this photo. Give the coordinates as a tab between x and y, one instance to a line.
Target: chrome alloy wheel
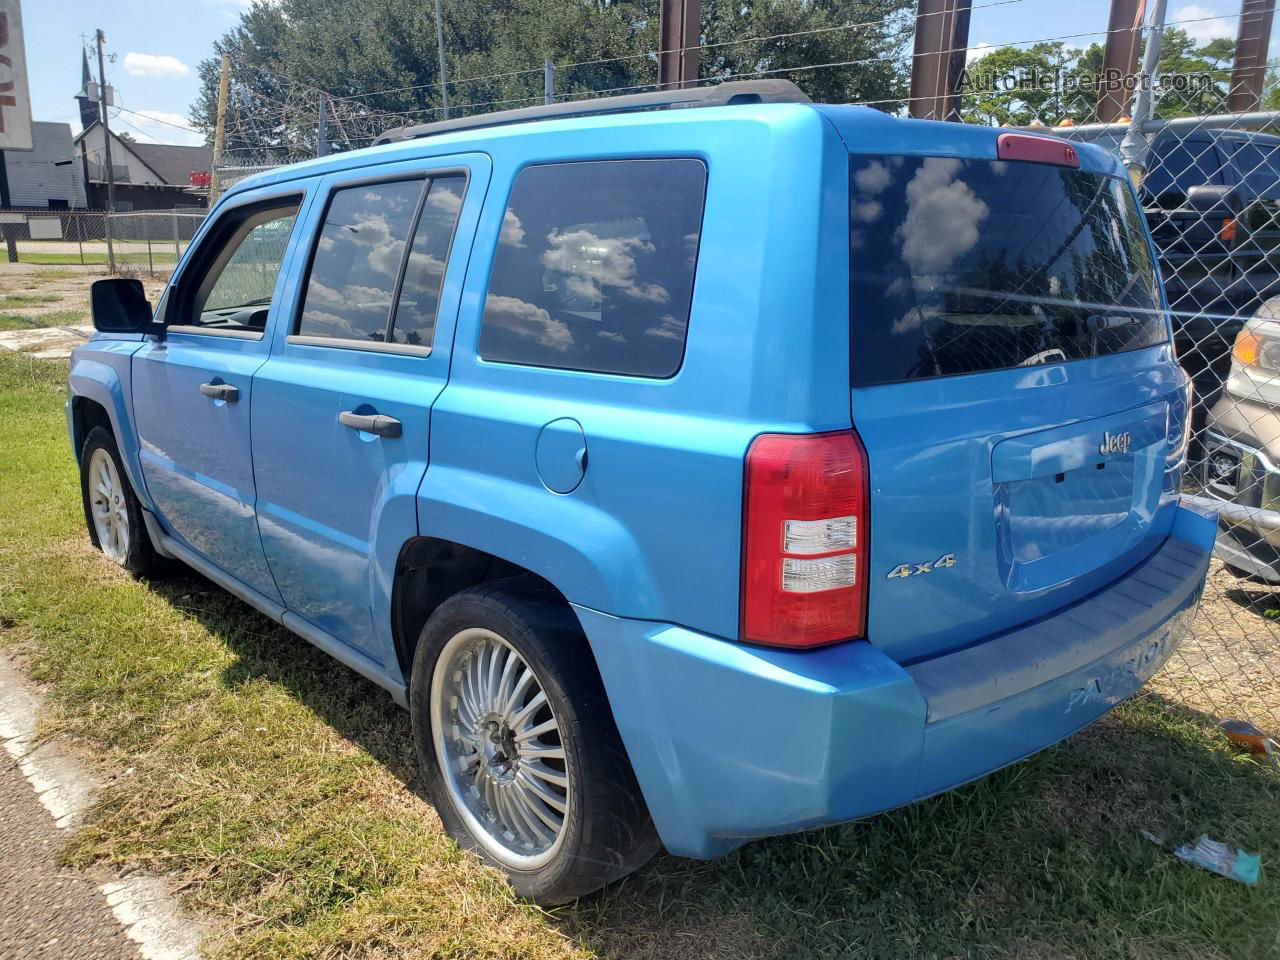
108	506
498	746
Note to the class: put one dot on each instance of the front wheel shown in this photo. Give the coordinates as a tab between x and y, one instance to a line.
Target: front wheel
111	508
523	761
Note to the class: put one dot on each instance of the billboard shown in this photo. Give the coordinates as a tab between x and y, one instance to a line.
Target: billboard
15	94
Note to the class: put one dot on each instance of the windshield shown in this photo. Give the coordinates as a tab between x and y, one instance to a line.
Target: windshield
963	266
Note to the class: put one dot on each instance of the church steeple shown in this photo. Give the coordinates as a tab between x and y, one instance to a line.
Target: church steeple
88	108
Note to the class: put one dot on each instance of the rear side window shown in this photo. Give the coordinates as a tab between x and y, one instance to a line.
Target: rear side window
963	266
415	317
377	239
594	267
1176	167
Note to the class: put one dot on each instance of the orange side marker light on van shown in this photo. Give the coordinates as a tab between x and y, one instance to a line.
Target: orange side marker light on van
1247	348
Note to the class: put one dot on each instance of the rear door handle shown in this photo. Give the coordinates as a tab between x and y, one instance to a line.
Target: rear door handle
221	391
375	423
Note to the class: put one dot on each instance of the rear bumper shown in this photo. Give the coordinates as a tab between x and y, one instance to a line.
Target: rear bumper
731	743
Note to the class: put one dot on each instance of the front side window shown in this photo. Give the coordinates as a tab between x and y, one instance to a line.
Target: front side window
234	291
964	266
594	267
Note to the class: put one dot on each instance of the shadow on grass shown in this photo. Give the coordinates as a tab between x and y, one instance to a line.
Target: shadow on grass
1043	860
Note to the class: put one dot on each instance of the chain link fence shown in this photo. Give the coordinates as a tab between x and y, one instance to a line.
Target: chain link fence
137	242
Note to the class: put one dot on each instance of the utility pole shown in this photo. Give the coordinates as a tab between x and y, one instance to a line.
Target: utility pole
679	36
1249	71
937	64
1134	146
1119	58
106	141
219	131
444	75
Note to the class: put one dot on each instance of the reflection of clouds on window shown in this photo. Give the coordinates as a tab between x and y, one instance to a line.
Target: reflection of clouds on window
942	219
872	178
589	262
868	211
445	198
526	320
358	260
512	233
595	266
415	318
669	327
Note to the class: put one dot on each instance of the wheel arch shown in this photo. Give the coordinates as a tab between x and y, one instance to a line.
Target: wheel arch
429	570
98	395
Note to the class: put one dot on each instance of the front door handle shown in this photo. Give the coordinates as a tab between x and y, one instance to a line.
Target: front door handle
221	391
374	423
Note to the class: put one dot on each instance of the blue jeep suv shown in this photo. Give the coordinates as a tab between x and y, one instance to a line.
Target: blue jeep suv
694	467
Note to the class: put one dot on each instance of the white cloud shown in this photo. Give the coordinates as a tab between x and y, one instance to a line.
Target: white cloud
160	126
974	54
1202	30
154	65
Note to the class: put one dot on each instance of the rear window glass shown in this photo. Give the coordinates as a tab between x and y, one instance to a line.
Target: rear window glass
964	266
594	267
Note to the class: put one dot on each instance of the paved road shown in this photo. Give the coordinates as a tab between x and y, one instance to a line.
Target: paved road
47	912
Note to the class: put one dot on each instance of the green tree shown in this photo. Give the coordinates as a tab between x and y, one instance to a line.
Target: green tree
379	59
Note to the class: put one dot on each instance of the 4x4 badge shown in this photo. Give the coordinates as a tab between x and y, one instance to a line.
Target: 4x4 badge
915	569
1115	443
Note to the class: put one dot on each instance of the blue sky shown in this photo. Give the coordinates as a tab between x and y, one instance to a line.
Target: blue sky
158	43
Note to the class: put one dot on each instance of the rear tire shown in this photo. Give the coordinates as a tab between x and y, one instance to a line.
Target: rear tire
526	770
112	510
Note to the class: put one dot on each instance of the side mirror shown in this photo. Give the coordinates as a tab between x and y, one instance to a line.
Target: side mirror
120	306
1214	202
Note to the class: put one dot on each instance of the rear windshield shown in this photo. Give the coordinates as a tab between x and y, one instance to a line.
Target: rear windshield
963	266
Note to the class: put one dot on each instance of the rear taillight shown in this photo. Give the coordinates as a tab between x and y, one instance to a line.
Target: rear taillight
805	525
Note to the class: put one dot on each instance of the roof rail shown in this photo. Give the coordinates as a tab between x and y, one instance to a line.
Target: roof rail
721	94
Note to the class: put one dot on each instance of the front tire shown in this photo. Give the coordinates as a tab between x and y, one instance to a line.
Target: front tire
112	510
522	757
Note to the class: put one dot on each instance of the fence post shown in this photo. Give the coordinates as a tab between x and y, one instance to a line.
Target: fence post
79	218
151	267
1134	146
177	251
548	82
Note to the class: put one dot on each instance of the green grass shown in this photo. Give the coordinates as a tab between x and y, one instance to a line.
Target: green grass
281	792
53	318
18	300
96	258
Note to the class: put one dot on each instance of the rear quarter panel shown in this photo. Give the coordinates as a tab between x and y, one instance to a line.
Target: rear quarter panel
653	531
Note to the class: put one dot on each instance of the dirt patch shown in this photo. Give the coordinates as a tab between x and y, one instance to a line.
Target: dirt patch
1230	665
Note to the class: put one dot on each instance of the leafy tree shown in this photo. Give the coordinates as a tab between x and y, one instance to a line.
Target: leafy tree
373	60
1002	88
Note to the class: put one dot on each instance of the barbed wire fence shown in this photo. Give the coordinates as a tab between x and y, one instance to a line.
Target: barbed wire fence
1208	177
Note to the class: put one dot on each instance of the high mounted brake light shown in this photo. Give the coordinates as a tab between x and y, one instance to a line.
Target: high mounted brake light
1020	146
805	526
